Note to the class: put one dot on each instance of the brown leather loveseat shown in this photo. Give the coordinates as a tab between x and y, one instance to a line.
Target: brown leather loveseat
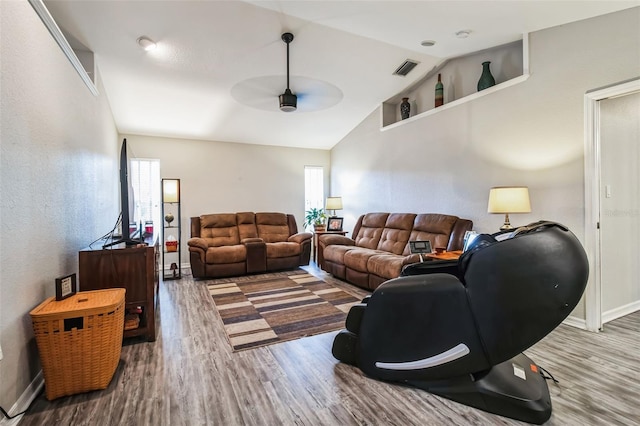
232	244
380	246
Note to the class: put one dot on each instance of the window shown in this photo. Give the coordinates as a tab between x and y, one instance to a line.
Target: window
145	180
313	187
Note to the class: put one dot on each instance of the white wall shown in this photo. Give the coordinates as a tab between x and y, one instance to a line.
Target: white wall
221	177
528	134
58	180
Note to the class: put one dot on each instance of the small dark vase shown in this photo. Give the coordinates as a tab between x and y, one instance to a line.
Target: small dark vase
405	108
486	79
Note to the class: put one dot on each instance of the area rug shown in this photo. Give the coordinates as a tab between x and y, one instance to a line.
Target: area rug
265	309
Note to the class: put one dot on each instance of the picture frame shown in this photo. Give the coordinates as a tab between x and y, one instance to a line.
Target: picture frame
66	286
335	224
420	247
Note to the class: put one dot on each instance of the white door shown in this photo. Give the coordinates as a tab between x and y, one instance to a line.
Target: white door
620	205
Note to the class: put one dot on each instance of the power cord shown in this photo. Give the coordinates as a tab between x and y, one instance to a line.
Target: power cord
546	375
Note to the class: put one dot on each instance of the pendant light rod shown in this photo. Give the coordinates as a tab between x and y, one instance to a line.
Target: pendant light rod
287	38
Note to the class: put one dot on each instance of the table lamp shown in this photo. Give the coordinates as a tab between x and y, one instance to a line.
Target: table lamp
509	199
333	203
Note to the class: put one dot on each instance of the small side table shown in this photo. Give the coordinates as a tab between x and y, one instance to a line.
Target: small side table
316	236
445	255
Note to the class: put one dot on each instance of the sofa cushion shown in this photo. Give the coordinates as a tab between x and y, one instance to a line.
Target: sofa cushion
357	258
219	229
226	254
371	230
283	249
386	265
433	227
272	227
247	225
335	254
396	232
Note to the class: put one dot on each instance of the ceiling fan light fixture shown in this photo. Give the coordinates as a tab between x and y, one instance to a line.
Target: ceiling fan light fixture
288	101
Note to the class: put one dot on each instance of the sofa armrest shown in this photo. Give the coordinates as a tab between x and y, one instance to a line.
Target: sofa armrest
300	237
198	243
331	240
246	241
456	239
256	255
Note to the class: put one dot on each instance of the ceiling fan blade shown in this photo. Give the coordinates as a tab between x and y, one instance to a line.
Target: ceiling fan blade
262	93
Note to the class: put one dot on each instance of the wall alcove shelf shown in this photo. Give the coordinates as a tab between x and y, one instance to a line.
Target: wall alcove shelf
509	66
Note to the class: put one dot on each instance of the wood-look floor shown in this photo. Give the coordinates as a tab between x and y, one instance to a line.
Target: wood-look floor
189	376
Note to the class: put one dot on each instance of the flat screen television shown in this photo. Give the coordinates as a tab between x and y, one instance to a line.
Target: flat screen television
127	201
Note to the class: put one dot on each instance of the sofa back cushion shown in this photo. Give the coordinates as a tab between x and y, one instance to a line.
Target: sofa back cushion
272	227
219	229
247	225
370	230
396	232
436	228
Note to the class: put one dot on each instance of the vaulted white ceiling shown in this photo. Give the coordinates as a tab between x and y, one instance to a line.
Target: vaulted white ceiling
215	57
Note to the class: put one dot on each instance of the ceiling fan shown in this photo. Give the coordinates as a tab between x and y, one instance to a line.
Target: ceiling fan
311	94
288	101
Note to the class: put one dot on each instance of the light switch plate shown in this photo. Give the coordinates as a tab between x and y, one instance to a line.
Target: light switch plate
1	353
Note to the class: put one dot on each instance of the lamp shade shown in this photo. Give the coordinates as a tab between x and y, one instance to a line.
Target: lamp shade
333	203
171	190
509	199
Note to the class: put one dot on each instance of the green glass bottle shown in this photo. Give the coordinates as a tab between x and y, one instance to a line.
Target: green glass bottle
439	92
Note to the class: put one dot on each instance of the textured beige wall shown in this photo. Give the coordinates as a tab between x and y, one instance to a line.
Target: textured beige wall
58	179
220	177
528	134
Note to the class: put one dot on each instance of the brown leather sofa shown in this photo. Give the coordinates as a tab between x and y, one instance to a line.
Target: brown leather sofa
380	245
232	244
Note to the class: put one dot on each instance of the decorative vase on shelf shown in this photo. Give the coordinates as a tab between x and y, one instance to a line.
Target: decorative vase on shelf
169	218
405	108
486	79
439	92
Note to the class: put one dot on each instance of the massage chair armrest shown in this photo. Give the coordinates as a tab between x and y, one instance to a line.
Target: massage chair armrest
300	237
197	244
417	318
432	267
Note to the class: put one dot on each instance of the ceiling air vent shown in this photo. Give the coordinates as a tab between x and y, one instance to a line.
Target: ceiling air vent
405	68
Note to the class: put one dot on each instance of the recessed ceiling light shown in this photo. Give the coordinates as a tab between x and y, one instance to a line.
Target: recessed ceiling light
428	43
463	33
146	43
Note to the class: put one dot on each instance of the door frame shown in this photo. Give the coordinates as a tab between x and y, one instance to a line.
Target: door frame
592	184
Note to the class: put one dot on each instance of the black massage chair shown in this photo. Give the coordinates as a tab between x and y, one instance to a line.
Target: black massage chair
457	329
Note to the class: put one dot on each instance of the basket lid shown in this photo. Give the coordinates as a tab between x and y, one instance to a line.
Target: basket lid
82	302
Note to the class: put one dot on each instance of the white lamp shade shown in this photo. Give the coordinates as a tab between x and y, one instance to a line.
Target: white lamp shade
333	203
509	199
170	190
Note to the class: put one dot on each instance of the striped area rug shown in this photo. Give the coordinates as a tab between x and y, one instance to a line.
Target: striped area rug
264	309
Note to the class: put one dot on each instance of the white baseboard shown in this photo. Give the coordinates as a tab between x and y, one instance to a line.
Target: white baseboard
576	322
620	311
25	400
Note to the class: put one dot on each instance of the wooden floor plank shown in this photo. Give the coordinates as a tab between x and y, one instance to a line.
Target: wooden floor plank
190	376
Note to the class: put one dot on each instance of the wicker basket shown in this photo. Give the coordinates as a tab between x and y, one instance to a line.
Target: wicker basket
79	340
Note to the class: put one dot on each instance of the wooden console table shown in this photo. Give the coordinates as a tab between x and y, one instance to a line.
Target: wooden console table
132	268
